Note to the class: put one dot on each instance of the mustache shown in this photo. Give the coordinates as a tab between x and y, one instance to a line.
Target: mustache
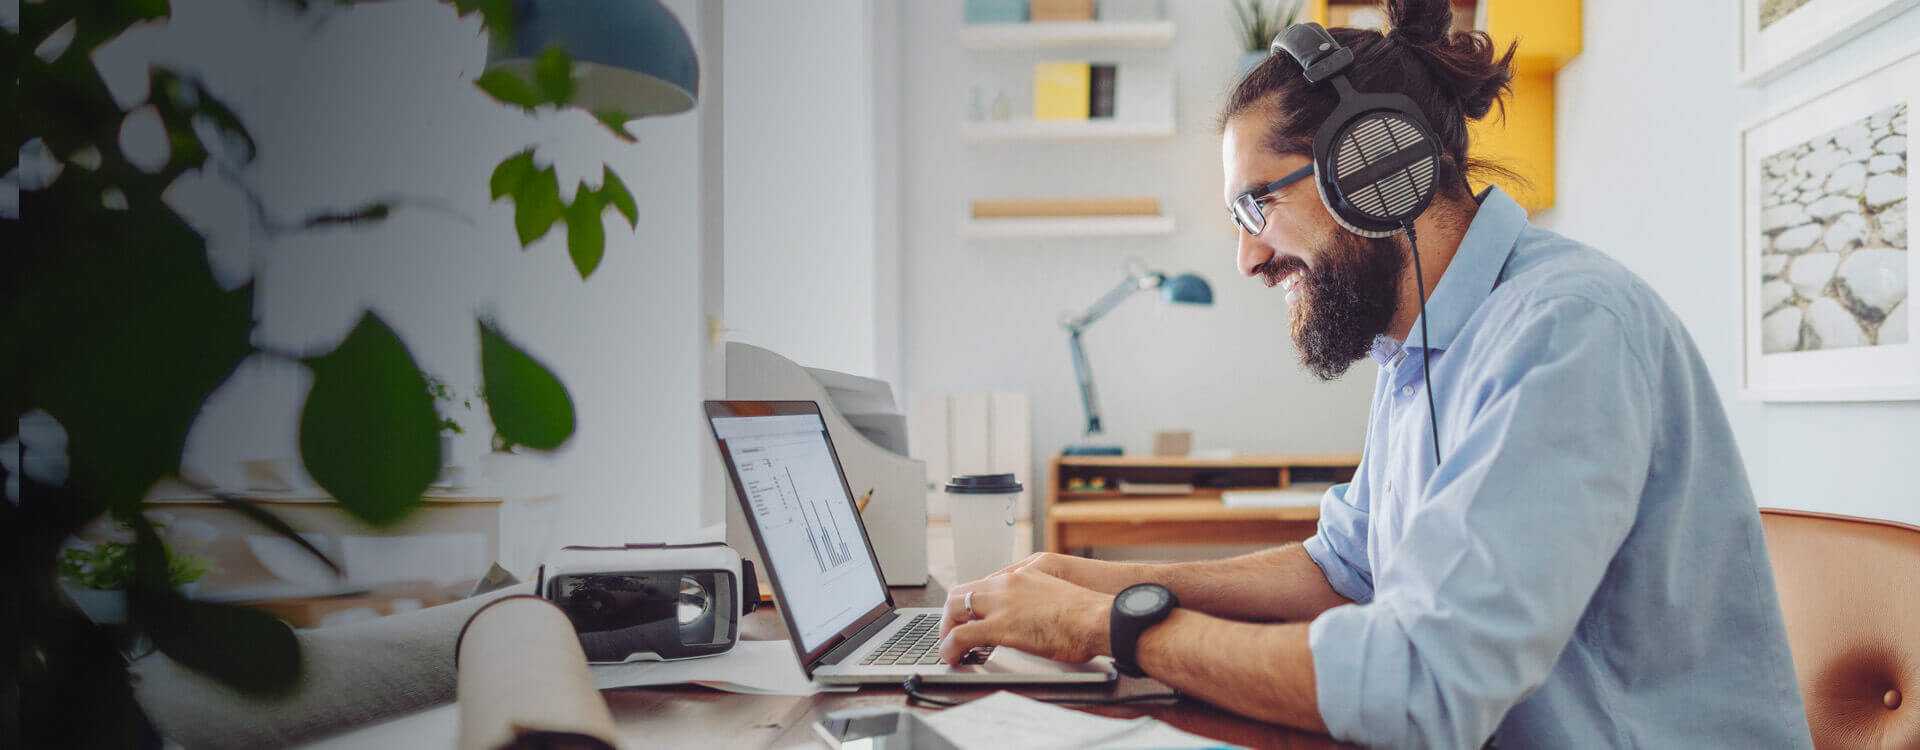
1279	267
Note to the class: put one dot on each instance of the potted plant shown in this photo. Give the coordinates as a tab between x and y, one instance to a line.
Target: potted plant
450	404
95	574
122	332
1258	23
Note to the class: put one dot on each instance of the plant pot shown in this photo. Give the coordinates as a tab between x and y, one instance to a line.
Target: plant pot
104	607
109	606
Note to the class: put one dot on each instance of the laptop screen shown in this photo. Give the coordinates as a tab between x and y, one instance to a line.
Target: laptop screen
790	482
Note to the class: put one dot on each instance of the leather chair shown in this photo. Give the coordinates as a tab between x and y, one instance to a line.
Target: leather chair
1850	591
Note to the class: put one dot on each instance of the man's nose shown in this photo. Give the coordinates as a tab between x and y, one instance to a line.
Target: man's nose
1252	253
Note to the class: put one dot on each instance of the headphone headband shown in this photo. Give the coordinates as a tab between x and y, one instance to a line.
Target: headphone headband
1310	45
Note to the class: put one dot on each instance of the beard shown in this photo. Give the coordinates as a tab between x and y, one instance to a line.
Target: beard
1345	303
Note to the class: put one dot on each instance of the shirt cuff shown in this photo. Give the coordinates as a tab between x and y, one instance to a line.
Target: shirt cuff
1356	648
1340	575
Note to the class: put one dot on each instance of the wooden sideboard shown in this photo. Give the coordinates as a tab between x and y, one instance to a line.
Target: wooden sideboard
1108	517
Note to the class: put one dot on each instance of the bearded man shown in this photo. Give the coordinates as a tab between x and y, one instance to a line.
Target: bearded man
1550	540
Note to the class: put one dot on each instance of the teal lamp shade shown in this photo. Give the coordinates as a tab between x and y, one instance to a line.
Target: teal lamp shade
630	55
1186	289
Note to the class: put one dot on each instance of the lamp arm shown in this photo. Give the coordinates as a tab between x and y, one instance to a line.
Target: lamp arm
1110	300
1083	371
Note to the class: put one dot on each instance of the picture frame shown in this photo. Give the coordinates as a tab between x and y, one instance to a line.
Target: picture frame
1775	36
1827	311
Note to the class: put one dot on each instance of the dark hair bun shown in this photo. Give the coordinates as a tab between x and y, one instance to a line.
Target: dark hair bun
1462	63
1420	21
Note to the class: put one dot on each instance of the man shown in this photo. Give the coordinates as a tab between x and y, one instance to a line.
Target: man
1582	567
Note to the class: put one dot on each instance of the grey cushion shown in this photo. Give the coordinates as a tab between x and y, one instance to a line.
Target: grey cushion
352	675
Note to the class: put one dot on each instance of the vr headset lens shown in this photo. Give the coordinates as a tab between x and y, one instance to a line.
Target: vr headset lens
622	615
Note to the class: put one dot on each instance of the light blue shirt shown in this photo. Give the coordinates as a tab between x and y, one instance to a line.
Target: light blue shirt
1585	568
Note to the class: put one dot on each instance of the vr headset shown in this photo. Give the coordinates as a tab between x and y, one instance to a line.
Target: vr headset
651	602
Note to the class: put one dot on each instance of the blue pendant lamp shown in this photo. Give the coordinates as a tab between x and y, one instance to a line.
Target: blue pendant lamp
630	55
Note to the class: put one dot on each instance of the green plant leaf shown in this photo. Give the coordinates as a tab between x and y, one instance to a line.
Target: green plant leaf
496	16
248	650
616	120
511	172
586	238
123	333
528	404
369	434
553	75
536	206
614	193
508	88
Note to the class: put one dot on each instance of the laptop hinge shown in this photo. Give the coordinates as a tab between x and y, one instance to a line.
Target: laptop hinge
850	645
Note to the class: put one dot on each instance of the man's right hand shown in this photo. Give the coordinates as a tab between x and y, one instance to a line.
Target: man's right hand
1100	575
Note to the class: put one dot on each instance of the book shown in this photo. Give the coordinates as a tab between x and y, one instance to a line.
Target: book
1101	90
1061	90
1003	208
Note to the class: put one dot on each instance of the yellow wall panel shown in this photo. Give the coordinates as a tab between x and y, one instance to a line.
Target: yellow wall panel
1521	141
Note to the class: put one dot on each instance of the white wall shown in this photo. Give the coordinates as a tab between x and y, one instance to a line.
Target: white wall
378	101
1649	173
984	314
810	220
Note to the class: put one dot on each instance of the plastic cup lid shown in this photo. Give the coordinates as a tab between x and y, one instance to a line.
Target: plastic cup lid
983	484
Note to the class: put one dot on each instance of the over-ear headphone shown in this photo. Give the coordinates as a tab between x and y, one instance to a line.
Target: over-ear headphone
1374	158
1374	161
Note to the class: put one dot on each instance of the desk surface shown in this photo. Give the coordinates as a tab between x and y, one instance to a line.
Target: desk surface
685	716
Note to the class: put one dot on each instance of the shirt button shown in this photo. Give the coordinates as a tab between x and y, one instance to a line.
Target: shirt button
1406	390
1389	486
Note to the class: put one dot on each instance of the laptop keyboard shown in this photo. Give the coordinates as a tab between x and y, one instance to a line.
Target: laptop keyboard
919	643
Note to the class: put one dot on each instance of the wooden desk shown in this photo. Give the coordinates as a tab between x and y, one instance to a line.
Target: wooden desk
696	717
686	716
1078	521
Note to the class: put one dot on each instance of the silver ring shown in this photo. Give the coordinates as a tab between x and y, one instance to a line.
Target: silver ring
969	603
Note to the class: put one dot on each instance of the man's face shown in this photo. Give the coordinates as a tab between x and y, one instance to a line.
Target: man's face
1342	289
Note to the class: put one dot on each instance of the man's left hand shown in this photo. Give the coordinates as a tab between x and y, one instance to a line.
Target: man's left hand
1030	611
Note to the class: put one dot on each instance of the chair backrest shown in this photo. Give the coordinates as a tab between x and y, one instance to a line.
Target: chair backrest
1850	592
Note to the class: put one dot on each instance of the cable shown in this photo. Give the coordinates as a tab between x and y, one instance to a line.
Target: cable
913	682
1426	343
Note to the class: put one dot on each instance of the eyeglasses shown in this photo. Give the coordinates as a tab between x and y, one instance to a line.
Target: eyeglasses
1249	210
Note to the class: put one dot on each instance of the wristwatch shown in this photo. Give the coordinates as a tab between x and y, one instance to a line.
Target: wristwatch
1135	609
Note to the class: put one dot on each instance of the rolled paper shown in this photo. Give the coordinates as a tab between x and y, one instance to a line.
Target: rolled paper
523	681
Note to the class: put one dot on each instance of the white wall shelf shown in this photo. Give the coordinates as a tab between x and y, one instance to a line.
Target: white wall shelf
1028	130
990	36
1065	226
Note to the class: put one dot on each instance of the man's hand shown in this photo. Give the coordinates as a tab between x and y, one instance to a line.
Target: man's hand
1027	610
1099	575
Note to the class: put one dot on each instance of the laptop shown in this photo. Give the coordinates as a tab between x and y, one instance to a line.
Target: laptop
825	577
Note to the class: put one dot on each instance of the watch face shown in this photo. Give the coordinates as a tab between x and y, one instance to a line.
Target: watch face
1141	600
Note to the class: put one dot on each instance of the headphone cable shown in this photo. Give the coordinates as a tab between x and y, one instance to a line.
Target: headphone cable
1426	342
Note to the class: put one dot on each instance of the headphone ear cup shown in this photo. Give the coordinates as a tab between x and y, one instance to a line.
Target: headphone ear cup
1385	172
1340	217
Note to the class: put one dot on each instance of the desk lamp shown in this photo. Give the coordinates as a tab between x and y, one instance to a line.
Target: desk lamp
1185	289
630	55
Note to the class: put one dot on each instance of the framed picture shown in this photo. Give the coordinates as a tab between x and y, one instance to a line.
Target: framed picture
1778	35
1827	310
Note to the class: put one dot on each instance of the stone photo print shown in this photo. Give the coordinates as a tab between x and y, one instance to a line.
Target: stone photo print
1833	238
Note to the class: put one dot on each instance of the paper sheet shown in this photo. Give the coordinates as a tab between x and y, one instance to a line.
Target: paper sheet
1006	721
753	667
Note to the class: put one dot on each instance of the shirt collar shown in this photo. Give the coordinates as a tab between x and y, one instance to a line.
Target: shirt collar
1470	277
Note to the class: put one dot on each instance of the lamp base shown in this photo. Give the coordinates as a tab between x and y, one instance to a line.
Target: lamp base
1091	450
